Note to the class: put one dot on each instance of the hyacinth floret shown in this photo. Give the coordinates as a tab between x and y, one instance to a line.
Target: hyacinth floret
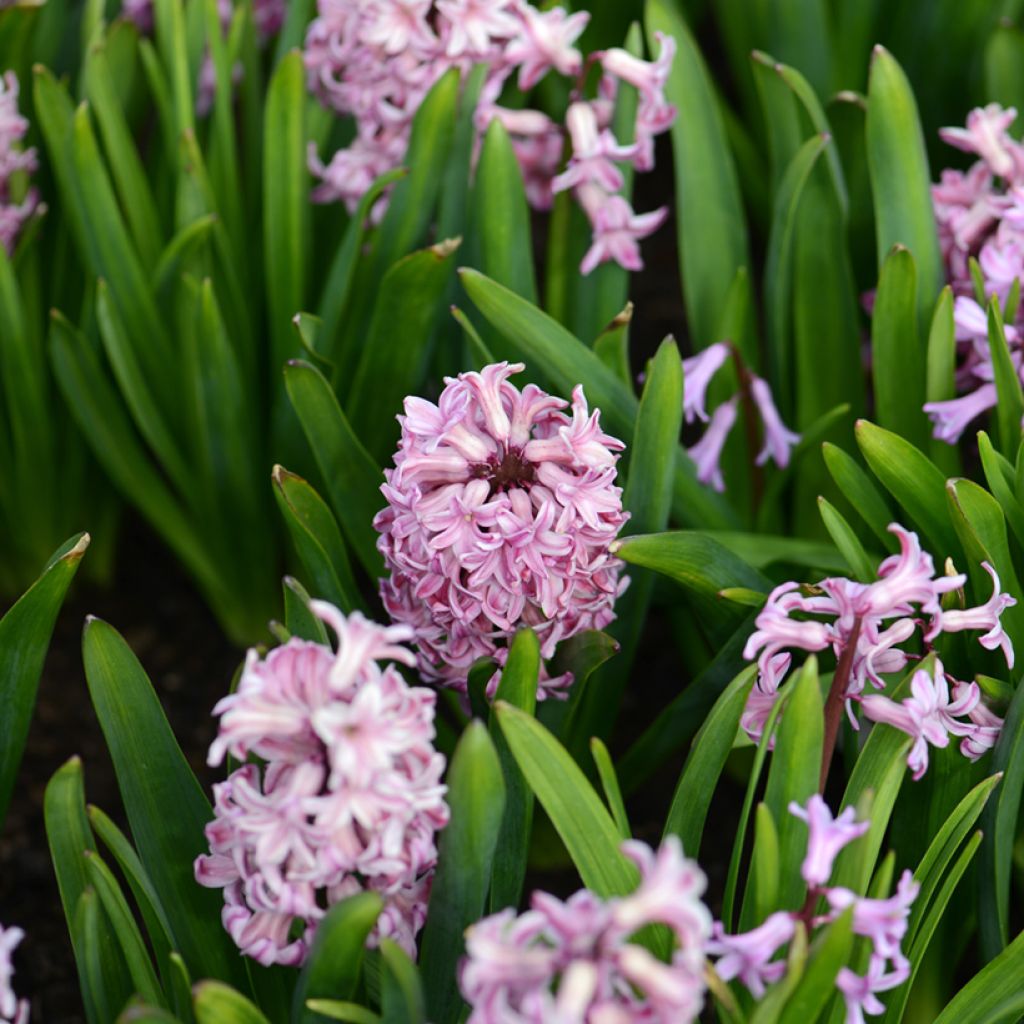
345	795
377	61
501	509
756	957
980	216
12	1009
14	161
875	618
698	372
578	959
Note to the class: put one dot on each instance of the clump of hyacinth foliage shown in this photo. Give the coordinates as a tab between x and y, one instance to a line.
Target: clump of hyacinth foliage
501	508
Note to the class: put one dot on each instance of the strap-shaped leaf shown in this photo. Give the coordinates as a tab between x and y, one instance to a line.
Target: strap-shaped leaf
154	776
352	477
708	202
518	687
900	179
896	349
24	637
401	996
705	761
476	796
336	959
915	482
317	538
576	811
217	1003
398	346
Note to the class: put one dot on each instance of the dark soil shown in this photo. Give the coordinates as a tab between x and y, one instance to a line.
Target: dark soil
157	610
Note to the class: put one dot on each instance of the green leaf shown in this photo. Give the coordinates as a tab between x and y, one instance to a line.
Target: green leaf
860	492
129	938
993	994
896	349
502	216
338	287
153	914
829	953
940	383
518	687
763	881
708	202
317	538
580	818
1000	824
900	179
1010	405
704	763
286	208
701	565
68	835
352	477
913	481
336	958
402	1000
339	1009
476	797
153	776
794	773
298	619
105	983
398	346
129	174
861	567
217	1003
24	637
611	346
610	785
999	475
778	268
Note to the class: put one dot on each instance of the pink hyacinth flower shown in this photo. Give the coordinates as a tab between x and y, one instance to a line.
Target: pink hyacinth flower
698	371
577	961
928	716
545	42
986	134
985	616
778	438
349	797
617	230
861	992
827	836
594	153
707	452
883	921
750	955
952	417
501	512
12	1009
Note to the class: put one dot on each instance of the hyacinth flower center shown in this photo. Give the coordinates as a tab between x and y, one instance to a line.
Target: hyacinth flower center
507	468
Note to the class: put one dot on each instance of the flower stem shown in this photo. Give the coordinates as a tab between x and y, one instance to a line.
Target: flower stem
834	703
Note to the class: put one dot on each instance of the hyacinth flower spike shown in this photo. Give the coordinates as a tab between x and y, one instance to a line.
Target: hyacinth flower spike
501	511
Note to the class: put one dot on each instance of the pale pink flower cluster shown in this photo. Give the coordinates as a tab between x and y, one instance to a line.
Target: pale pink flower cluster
376	61
13	159
980	215
346	796
698	372
878	617
12	1009
577	960
501	509
757	958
